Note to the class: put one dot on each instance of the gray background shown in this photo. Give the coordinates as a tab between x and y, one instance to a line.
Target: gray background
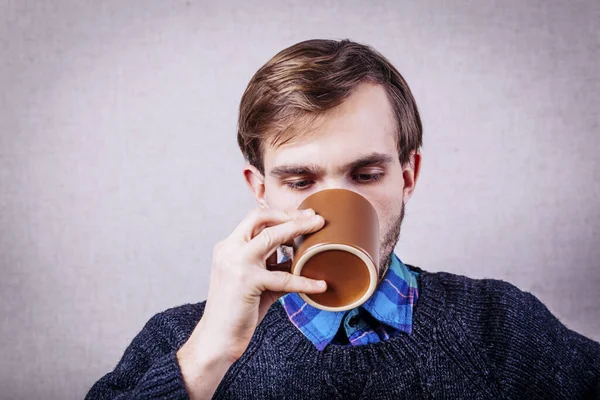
119	168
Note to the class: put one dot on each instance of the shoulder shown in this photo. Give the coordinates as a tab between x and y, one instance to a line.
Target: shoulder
493	304
462	292
517	333
495	310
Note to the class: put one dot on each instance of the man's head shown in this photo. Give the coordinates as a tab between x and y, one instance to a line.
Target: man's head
328	114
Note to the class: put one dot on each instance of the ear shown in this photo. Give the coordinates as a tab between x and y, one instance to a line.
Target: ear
256	182
410	173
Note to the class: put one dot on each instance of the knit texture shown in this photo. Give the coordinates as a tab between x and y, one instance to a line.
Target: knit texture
471	339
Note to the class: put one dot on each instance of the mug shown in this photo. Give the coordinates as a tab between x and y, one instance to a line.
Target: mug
344	253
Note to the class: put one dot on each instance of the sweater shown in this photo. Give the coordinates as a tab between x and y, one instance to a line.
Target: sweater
471	339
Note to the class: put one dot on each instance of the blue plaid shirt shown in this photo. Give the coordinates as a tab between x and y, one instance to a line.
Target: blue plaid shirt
386	314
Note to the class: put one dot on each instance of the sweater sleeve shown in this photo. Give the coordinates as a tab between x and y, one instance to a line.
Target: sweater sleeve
536	355
147	370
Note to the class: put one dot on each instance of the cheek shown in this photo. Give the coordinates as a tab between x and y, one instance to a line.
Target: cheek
385	214
281	198
388	208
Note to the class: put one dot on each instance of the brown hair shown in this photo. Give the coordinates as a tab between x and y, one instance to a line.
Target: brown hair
302	82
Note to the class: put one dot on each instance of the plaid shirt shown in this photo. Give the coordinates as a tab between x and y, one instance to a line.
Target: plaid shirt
384	315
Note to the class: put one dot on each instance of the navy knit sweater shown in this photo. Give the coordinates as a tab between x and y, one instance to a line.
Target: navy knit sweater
480	339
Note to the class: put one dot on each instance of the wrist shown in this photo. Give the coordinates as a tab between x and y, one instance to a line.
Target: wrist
196	365
202	365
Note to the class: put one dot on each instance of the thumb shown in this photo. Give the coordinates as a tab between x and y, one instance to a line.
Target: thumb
284	282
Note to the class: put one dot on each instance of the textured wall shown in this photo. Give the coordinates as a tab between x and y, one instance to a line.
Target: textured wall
119	168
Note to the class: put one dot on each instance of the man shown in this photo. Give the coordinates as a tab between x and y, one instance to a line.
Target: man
336	114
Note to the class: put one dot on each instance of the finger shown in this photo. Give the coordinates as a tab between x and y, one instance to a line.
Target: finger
283	282
270	238
258	219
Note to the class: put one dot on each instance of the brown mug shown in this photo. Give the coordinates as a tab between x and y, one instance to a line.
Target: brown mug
344	253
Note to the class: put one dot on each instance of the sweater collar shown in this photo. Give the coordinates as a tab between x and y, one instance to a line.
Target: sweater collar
391	304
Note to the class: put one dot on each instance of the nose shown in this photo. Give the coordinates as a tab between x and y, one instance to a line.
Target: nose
337	183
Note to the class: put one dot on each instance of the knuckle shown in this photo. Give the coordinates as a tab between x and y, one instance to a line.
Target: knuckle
218	251
219	246
222	248
302	281
290	213
286	280
298	226
267	237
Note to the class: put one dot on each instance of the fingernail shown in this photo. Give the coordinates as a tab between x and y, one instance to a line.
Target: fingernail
317	218
322	284
308	211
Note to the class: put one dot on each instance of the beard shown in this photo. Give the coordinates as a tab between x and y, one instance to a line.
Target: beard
388	243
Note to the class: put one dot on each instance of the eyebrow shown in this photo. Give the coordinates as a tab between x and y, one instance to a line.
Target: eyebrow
296	169
312	169
368	161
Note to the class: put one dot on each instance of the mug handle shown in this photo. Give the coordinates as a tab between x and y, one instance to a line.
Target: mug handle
285	266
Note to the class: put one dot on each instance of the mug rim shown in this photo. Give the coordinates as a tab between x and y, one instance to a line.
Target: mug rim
344	247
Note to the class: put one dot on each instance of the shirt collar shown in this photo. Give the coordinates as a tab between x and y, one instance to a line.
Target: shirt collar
391	304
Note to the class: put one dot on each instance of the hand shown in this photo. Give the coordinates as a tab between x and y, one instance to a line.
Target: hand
242	290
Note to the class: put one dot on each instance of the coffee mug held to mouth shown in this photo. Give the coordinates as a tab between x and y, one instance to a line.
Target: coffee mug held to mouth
344	253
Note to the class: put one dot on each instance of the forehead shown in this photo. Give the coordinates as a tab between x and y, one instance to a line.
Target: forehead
363	124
